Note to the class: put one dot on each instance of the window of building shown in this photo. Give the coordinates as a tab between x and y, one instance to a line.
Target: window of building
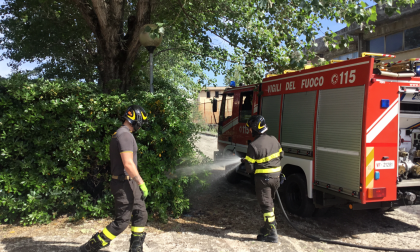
245	108
377	45
412	38
216	94
401	41
208	94
394	42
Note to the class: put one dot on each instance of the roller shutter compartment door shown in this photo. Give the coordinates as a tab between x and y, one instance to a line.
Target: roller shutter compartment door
271	112
339	136
298	120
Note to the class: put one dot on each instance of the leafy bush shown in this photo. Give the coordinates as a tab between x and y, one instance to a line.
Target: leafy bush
54	149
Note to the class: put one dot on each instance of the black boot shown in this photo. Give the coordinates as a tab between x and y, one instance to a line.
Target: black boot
95	243
136	242
268	233
266	228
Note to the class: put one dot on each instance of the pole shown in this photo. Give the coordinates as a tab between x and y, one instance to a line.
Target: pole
151	49
360	44
151	71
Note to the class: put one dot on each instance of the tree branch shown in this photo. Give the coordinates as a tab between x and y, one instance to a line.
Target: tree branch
101	11
87	13
186	50
178	14
117	9
212	32
142	18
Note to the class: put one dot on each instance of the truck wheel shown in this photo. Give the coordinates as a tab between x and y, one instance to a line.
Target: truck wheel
295	196
231	175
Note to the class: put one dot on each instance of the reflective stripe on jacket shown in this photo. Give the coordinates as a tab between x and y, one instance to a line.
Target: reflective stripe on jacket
264	155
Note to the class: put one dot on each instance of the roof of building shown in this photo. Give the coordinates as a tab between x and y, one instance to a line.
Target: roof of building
213	88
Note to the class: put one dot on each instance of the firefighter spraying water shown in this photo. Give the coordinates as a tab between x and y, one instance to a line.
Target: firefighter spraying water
263	161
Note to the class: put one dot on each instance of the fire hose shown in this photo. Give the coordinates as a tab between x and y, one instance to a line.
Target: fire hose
337	242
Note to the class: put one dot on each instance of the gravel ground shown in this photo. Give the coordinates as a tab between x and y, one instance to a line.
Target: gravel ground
225	217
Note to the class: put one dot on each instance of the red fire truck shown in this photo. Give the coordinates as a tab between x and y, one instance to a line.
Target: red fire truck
346	129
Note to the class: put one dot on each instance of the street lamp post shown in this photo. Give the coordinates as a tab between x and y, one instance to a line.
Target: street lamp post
150	43
151	49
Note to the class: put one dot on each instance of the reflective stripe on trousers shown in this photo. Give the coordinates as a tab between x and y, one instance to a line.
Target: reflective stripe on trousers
269	216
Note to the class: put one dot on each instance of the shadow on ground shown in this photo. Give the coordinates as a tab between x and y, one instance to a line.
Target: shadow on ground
28	244
226	217
224	208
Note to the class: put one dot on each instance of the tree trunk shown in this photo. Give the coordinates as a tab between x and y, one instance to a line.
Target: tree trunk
112	71
117	52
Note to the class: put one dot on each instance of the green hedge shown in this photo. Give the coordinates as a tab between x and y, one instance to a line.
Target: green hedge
54	149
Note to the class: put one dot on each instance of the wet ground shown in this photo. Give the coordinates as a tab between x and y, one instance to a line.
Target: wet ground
226	217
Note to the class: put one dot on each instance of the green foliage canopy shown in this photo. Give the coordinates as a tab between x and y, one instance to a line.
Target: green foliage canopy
81	39
54	148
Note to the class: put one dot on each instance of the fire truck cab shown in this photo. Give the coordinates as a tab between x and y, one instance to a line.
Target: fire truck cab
349	131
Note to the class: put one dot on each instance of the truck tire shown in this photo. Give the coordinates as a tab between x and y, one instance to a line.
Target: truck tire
231	175
294	196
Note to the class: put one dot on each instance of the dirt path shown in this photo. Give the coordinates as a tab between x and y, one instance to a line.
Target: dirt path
207	145
225	217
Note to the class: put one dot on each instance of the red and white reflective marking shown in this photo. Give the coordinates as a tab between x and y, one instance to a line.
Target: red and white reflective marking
383	120
229	125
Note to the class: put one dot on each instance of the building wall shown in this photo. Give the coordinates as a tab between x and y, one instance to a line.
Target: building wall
205	106
206	110
400	55
415	53
202	96
335	54
385	26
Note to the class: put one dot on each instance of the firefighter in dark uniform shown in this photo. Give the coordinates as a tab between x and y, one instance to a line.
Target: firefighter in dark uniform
263	160
127	186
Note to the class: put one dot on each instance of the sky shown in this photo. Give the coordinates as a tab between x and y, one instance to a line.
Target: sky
334	26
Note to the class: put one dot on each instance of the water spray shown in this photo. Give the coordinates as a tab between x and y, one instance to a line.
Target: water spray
189	170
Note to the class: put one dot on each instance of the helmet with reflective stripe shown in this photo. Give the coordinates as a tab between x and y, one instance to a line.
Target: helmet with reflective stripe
136	116
257	124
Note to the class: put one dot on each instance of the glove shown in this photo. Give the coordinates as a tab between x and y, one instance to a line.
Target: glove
282	178
242	160
143	188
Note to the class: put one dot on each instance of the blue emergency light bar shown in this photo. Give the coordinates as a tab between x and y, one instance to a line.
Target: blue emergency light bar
232	84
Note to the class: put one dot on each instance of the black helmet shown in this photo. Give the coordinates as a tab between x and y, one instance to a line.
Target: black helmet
257	124
136	116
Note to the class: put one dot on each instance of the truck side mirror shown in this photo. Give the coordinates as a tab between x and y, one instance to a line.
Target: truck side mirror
214	105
